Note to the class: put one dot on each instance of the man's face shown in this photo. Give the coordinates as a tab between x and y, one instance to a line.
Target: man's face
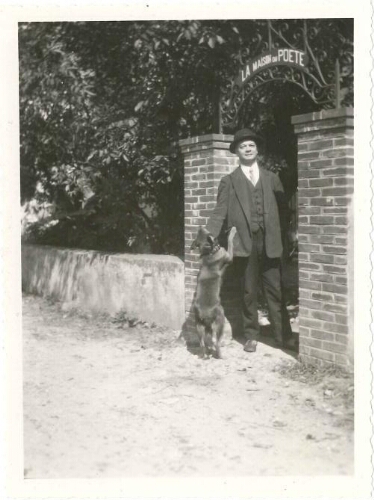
247	151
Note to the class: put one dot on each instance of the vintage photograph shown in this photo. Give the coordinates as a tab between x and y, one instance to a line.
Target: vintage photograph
187	247
187	229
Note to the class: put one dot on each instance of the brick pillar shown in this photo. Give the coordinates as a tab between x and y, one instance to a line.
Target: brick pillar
325	226
206	159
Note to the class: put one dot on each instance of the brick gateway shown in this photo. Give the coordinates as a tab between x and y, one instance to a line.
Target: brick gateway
325	227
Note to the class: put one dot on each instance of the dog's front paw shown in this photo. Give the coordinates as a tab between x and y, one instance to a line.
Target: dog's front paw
233	232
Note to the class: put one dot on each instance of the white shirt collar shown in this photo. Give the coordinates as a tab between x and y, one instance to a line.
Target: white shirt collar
252	173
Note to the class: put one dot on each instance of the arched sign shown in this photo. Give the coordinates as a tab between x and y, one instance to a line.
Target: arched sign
275	57
283	61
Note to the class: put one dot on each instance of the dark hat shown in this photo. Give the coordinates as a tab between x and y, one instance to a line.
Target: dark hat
245	134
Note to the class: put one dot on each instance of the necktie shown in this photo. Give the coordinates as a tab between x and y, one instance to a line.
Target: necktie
251	176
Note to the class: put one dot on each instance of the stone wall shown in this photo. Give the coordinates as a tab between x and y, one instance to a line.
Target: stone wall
147	287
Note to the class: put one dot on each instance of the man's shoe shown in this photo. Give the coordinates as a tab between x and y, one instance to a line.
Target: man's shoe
250	346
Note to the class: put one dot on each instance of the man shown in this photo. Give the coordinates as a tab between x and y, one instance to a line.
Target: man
252	199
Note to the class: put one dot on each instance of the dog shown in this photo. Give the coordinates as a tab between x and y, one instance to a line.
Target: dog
209	314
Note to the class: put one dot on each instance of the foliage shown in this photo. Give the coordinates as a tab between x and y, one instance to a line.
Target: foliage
102	108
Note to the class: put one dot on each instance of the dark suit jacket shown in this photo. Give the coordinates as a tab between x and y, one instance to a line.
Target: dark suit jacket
233	209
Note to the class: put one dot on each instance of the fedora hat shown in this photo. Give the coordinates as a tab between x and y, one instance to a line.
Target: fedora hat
245	134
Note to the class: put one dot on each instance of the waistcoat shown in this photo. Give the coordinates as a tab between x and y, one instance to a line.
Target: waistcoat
256	198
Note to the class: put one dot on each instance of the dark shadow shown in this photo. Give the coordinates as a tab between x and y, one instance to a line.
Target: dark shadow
188	331
267	338
231	302
290	280
269	341
190	336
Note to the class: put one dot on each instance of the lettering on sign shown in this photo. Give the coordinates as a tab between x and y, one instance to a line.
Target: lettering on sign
276	57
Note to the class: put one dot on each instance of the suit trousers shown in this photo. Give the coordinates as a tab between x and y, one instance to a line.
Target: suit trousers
253	271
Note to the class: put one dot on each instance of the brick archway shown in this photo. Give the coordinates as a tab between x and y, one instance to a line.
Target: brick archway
325	226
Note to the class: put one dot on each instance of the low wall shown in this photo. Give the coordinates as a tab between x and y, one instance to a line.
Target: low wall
148	287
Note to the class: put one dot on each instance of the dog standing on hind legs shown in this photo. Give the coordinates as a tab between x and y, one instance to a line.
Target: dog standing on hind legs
209	314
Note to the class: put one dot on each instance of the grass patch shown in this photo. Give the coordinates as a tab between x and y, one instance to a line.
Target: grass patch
312	374
334	385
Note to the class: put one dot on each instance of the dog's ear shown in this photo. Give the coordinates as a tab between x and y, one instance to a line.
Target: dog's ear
201	232
194	245
210	239
196	241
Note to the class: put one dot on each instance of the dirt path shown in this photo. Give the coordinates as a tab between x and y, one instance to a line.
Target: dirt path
101	400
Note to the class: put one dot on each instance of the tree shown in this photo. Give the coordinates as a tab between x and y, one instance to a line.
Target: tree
104	104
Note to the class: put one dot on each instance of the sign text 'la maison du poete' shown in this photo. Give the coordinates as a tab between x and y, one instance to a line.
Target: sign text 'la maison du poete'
276	57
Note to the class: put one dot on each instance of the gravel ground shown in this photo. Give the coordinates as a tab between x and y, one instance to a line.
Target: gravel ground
104	399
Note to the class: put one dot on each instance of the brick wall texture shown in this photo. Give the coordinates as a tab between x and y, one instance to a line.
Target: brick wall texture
325	227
